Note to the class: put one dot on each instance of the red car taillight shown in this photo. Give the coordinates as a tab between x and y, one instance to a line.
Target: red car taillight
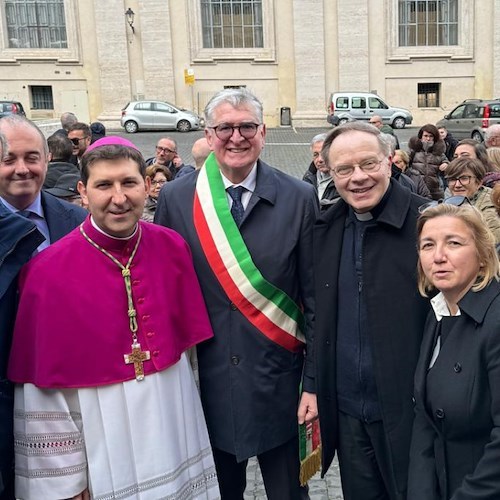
486	117
15	110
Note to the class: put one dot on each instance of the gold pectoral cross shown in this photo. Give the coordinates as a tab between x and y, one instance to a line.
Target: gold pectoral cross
137	357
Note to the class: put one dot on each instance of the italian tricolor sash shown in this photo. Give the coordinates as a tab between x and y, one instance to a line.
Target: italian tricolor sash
269	309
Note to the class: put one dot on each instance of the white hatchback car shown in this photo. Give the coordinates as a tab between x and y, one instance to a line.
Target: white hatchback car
158	115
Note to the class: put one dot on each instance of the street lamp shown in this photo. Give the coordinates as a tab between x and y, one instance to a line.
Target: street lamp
130	14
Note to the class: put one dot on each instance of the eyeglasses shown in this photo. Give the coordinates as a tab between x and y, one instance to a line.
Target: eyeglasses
158	183
225	131
463	179
159	149
458	201
76	141
367	166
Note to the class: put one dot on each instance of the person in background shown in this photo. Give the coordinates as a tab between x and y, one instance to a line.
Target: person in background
427	156
385	128
200	151
259	296
449	140
60	163
493	176
80	135
368	316
67	120
322	180
159	176
98	131
492	136
470	148
465	176
166	155
103	383
401	161
66	188
455	446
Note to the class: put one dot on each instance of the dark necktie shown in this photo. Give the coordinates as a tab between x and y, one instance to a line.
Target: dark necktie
237	209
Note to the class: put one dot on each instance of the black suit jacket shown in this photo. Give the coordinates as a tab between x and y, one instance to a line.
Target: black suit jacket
394	309
455	450
249	384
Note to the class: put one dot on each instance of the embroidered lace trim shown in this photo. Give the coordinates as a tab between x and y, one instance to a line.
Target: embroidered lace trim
204	481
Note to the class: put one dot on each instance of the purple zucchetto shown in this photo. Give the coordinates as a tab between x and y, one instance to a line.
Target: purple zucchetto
111	140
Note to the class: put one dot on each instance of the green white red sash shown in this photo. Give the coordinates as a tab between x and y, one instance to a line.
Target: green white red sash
269	309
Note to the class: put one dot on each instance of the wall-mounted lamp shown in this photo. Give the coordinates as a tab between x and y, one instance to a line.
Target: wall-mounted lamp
130	14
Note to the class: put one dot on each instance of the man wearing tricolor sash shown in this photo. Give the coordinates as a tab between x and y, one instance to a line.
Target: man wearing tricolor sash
250	230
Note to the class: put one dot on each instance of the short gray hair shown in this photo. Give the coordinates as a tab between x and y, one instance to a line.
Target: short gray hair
236	98
491	131
318	138
356	126
21	121
3	146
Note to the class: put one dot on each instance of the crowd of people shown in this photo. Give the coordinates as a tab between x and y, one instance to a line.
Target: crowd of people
162	323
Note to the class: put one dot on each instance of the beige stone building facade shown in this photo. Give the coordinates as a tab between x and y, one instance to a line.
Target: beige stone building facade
83	56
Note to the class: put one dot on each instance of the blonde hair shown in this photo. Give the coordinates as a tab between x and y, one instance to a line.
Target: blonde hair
483	240
494	157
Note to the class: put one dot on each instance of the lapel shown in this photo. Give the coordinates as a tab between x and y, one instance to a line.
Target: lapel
328	234
56	217
266	188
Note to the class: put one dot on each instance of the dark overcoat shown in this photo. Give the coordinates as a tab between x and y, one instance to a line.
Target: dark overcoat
18	239
394	310
250	385
455	451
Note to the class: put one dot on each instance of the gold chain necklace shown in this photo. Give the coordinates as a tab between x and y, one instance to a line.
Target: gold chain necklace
137	357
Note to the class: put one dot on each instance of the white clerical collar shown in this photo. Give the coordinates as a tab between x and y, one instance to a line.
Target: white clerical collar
97	228
35	207
364	216
440	307
248	183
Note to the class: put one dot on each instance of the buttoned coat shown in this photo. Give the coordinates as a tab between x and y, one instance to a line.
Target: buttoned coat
394	310
455	451
249	384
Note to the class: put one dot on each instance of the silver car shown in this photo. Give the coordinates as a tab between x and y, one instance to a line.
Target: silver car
348	106
158	115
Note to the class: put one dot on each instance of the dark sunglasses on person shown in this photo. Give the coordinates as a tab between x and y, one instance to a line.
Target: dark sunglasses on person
458	201
76	141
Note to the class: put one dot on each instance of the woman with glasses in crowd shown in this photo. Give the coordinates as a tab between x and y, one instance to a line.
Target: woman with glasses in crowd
159	176
464	176
455	450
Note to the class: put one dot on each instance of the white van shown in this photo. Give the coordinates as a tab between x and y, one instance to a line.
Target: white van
347	106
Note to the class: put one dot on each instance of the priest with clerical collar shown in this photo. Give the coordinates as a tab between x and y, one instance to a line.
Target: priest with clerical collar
105	402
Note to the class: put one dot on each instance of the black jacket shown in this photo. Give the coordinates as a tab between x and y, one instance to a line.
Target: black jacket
394	309
455	449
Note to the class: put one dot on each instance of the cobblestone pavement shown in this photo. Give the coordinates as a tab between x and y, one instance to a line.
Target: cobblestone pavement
327	488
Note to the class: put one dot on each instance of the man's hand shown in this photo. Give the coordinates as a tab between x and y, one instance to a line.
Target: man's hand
84	495
443	166
308	408
177	161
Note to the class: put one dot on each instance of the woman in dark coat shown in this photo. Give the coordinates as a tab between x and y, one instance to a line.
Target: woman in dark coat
455	450
427	156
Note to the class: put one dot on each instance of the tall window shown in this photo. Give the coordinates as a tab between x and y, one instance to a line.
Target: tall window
428	95
36	24
232	23
428	22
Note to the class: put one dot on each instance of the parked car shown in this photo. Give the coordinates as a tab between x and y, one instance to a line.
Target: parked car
11	108
471	118
158	115
348	106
